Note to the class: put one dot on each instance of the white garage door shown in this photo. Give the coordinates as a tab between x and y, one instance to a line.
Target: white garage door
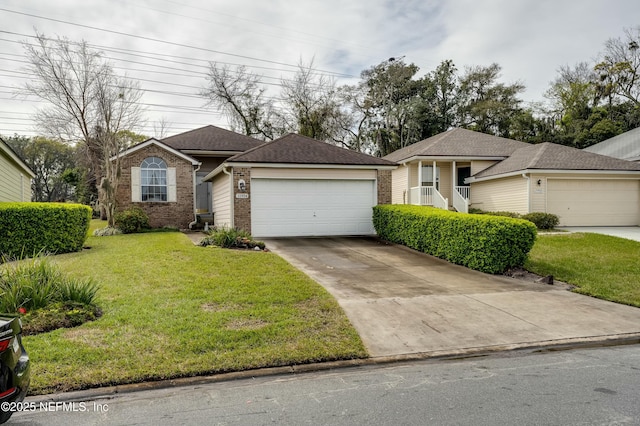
297	207
585	202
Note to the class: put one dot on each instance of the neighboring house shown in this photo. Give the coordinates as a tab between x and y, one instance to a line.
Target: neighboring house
298	186
15	176
459	169
625	146
164	177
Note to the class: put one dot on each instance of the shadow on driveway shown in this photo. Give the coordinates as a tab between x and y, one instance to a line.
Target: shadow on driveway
402	301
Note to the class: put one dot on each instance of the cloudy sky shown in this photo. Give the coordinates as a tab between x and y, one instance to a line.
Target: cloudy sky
167	44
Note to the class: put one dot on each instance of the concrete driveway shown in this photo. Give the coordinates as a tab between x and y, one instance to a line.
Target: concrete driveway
403	302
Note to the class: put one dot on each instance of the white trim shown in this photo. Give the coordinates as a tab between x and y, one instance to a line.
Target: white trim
172	195
220	168
136	188
161	145
7	149
461	159
231	195
473	179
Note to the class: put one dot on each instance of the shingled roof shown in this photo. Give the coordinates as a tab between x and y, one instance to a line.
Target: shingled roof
297	149
625	146
458	143
549	156
211	138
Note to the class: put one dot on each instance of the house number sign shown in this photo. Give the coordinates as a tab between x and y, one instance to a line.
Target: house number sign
242	195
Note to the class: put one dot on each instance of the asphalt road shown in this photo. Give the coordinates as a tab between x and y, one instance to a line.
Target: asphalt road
590	386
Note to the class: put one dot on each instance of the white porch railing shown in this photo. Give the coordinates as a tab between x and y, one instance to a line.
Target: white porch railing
427	196
421	195
461	199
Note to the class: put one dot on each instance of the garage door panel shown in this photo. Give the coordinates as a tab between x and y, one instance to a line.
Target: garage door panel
585	202
288	207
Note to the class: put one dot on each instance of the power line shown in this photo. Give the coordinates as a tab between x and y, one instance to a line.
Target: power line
204	49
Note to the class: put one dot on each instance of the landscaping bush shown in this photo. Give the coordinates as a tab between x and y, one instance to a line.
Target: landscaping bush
231	238
36	283
30	228
542	220
46	298
132	220
482	242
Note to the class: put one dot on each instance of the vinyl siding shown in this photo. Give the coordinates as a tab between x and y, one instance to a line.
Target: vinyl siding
399	185
479	165
222	201
14	185
508	194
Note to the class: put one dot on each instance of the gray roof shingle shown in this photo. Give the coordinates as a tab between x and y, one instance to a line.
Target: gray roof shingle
211	138
297	149
458	143
625	146
549	156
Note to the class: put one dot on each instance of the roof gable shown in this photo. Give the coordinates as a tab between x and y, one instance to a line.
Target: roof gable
550	156
159	144
211	138
15	158
458	143
297	149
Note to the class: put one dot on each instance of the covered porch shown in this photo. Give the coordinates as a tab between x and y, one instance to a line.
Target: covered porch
439	184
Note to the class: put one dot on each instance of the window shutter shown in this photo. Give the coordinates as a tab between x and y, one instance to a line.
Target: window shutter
136	190
171	185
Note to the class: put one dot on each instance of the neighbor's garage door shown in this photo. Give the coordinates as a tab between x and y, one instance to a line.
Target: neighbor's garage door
585	202
300	207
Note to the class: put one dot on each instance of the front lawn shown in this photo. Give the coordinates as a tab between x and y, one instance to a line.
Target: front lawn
599	265
171	309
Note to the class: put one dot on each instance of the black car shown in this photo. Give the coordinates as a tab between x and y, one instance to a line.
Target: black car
14	366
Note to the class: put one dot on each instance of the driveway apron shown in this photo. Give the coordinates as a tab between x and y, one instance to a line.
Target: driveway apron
402	302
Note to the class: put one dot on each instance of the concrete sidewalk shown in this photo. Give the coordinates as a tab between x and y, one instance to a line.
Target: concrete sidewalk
405	302
628	232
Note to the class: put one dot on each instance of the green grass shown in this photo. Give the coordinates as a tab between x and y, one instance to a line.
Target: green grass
172	309
599	265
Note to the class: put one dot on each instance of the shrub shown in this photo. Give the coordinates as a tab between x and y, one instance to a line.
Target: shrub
36	283
482	242
30	228
132	220
231	238
499	213
542	220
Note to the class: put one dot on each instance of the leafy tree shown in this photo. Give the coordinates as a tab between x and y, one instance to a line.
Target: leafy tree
88	104
486	105
48	159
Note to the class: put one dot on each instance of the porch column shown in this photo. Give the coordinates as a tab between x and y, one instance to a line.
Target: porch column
454	182
434	176
420	182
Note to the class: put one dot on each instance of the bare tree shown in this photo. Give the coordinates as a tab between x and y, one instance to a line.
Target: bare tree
619	69
241	96
88	104
312	105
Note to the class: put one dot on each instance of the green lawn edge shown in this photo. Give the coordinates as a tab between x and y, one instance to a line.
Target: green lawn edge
172	309
600	266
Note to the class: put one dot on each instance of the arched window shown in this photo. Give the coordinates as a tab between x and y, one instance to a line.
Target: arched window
153	179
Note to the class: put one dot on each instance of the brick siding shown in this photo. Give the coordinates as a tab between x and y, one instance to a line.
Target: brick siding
178	214
242	206
384	186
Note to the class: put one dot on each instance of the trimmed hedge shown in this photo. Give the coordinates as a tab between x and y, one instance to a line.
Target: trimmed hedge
30	228
486	243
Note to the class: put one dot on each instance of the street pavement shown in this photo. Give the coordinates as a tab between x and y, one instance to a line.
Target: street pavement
589	386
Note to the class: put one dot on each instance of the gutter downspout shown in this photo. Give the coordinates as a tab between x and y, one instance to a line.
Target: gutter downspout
195	210
524	175
232	202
